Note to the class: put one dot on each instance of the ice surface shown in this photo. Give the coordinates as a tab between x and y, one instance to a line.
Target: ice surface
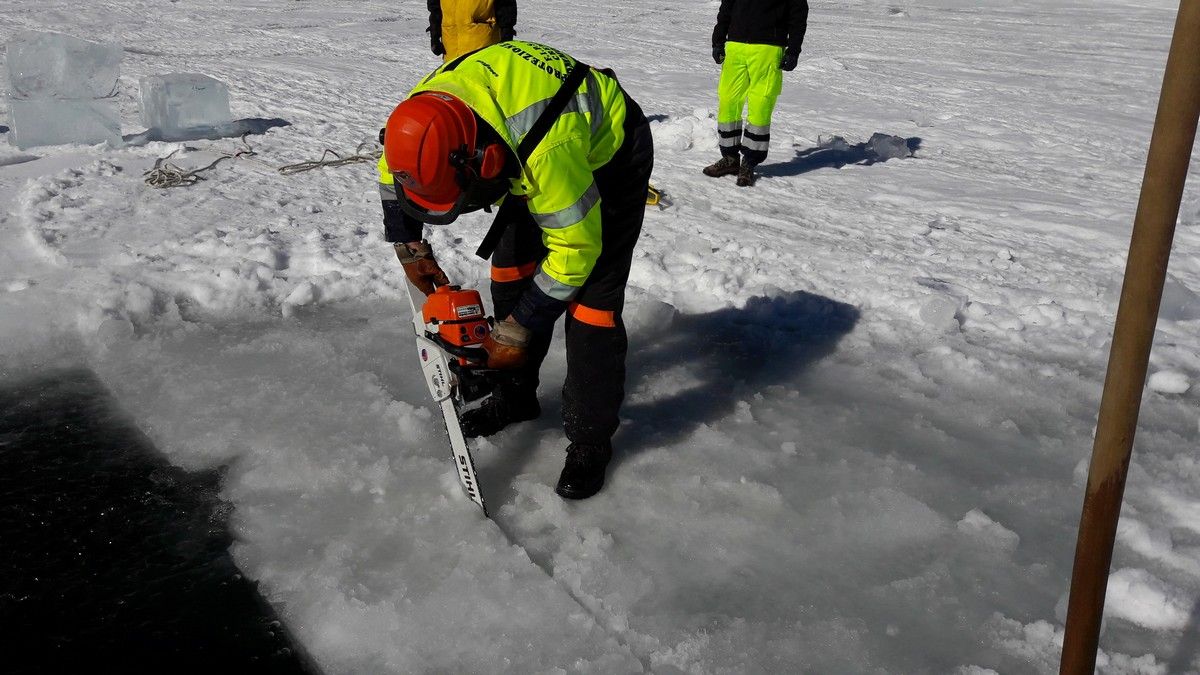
712	548
57	66
53	122
179	101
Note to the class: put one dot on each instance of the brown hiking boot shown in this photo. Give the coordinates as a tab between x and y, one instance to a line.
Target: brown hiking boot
726	166
746	175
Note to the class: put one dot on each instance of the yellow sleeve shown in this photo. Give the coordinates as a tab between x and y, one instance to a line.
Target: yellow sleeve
565	203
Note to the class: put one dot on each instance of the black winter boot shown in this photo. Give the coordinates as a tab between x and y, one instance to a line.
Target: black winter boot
746	175
726	166
583	474
507	405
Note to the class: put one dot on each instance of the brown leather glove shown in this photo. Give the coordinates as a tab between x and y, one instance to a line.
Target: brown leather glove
507	345
420	267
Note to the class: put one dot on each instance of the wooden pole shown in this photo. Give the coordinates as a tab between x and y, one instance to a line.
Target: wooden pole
1145	272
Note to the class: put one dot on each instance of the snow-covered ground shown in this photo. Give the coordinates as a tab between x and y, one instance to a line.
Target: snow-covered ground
862	394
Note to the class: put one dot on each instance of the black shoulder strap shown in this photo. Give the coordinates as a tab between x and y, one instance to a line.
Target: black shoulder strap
536	133
553	109
454	64
447	67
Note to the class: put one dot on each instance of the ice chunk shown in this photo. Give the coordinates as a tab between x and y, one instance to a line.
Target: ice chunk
835	143
940	312
1169	382
1139	597
55	66
53	122
885	146
977	524
1179	303
178	101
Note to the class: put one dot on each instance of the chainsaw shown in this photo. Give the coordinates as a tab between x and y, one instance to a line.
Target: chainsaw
450	329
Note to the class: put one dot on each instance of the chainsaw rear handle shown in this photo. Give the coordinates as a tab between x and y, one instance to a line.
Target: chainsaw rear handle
473	354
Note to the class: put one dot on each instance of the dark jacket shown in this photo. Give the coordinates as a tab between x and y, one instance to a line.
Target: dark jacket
506	18
762	22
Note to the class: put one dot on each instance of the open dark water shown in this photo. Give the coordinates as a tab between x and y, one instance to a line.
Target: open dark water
111	559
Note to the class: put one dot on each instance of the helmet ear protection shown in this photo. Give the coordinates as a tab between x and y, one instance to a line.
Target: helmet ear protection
493	161
486	163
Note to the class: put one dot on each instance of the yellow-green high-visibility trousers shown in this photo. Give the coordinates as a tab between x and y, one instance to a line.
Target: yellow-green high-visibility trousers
751	80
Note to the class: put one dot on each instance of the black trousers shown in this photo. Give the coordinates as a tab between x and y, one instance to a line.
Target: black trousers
595	333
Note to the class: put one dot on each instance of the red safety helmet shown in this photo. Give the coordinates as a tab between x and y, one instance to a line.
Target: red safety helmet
432	147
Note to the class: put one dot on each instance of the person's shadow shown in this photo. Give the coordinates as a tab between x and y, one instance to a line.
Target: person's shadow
835	153
728	354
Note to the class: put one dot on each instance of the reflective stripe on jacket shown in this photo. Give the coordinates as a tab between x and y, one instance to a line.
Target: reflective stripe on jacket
508	85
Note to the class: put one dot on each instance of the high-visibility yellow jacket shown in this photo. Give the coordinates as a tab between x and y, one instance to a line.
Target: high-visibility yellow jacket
509	85
467	25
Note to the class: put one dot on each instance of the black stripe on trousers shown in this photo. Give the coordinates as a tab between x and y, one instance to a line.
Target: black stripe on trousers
730	150
755	156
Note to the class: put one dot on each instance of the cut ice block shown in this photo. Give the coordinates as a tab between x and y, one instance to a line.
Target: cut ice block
52	65
54	122
178	101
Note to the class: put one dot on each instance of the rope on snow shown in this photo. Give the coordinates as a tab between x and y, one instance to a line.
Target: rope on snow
337	160
166	174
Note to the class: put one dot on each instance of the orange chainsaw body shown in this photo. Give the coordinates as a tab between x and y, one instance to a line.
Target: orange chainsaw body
458	315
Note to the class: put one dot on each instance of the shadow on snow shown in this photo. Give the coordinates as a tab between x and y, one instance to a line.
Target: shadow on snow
733	353
255	126
833	154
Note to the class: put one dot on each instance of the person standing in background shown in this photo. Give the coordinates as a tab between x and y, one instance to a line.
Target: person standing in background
458	27
754	41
